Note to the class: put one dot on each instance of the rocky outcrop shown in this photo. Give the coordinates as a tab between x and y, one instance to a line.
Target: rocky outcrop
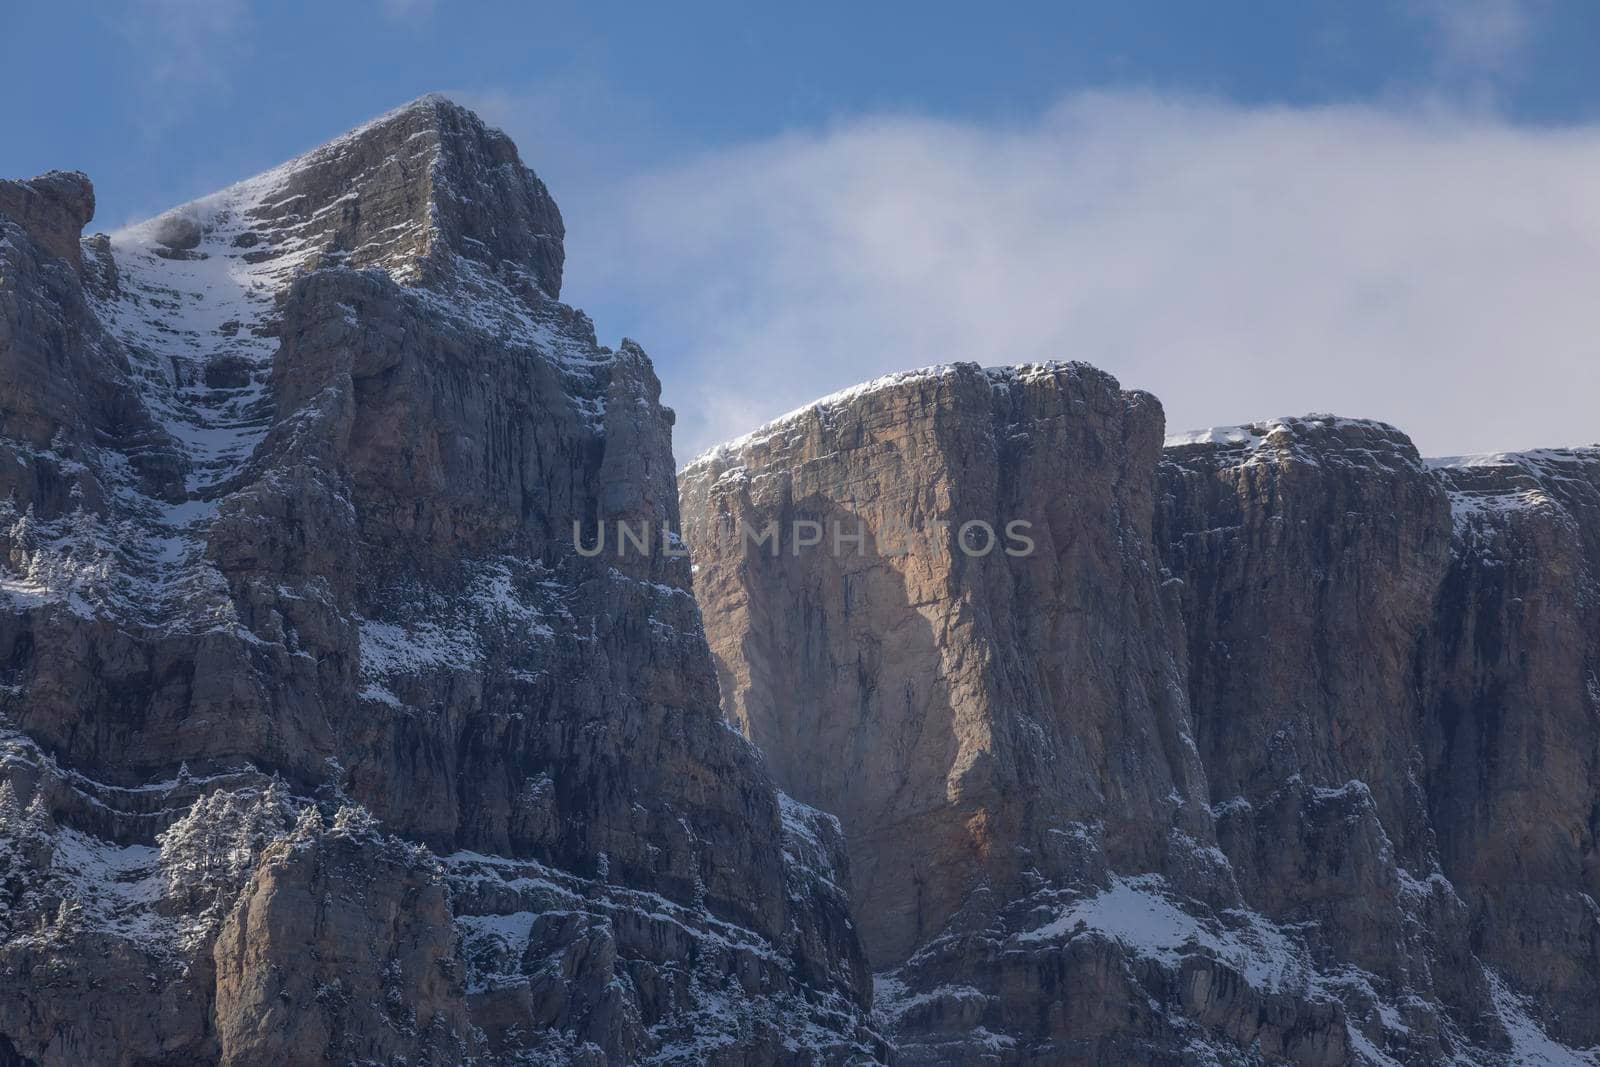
1423	631
1252	735
52	210
340	949
893	655
293	473
996	712
1511	749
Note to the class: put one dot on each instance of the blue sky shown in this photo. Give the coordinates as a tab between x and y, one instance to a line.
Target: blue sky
1086	146
168	98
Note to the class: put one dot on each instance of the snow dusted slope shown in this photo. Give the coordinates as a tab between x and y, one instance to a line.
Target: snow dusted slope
196	298
1546	478
293	611
198	319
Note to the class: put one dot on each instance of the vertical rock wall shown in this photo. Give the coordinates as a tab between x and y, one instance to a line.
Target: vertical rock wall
1284	738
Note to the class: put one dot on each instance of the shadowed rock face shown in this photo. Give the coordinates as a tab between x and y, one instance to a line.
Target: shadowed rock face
1311	558
292	476
1512	749
1428	631
892	664
1004	737
1379	841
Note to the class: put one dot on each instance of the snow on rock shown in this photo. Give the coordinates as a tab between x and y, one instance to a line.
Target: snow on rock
522	924
1530	1045
792	422
1310	439
1488	488
1245	436
1140	913
813	842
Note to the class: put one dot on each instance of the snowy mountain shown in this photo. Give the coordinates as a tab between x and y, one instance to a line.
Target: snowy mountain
320	743
324	739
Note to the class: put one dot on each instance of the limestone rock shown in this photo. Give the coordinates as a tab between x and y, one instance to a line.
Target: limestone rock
1005	737
1280	746
341	949
52	209
1512	756
1354	641
293	473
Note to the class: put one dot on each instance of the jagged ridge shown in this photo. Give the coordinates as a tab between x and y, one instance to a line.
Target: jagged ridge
289	546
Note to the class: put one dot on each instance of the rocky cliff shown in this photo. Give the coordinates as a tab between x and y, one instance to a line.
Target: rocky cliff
1511	744
1425	630
1278	743
328	735
321	743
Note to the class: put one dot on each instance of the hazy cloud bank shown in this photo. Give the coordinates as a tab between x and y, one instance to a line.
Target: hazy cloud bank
1428	267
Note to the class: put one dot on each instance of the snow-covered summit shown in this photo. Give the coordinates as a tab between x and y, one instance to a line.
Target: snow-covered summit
188	310
1540	460
1313	438
1487	485
426	180
843	398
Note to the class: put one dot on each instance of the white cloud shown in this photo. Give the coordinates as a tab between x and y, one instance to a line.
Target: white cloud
177	51
1478	38
1433	270
188	42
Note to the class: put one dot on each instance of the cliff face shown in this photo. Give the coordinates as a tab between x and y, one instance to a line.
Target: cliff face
1281	742
892	658
1310	554
1428	632
320	738
1006	737
1512	738
322	741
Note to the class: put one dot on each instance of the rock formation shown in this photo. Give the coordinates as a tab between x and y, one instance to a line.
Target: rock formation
321	743
1512	737
326	738
1280	745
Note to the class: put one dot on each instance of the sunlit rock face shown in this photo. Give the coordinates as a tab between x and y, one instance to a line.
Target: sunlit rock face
322	744
1279	745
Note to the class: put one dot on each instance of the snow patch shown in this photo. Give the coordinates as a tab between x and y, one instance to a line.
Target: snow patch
786	424
1530	1045
1140	913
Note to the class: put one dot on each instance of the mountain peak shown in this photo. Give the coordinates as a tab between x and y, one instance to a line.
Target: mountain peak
405	191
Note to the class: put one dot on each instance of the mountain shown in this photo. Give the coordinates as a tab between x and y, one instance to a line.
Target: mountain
319	740
988	724
1273	743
